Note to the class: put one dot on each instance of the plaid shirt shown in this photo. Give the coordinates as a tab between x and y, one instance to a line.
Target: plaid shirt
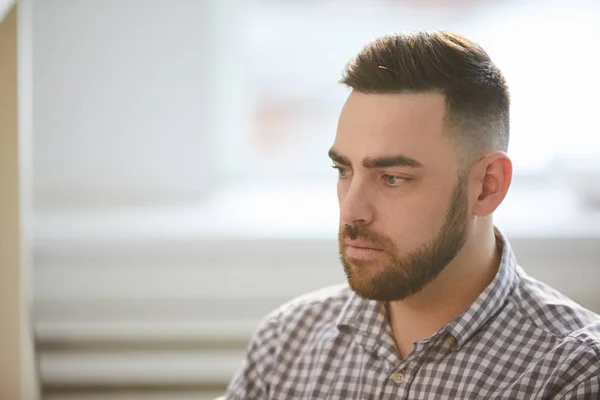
519	340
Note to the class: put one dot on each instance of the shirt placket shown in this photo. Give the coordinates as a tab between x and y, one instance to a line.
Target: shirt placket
400	378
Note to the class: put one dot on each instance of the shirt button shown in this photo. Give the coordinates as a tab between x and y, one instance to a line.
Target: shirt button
449	341
397	377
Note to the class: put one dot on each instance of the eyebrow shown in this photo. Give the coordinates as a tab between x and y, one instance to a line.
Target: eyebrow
378	162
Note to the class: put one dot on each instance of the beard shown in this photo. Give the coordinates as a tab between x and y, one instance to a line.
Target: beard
406	275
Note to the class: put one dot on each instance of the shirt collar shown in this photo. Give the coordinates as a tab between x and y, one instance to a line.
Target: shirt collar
368	318
491	300
367	321
362	315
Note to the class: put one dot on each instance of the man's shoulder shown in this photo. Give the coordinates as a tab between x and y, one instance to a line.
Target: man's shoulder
322	304
284	335
557	314
314	311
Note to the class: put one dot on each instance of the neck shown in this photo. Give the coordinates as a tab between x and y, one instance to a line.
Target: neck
452	292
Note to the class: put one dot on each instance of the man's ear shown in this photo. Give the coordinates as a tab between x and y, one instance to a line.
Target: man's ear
494	175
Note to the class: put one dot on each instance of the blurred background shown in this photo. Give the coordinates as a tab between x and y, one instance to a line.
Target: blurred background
181	187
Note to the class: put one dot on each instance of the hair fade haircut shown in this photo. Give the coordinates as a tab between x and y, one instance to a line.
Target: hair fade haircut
476	94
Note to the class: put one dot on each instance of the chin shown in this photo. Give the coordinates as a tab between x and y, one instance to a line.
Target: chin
371	285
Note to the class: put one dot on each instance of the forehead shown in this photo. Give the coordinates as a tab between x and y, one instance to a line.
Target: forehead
410	124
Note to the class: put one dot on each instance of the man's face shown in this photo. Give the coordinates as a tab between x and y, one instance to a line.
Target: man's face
403	200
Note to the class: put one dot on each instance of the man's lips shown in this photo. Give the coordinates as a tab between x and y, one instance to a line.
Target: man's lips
361	250
360	244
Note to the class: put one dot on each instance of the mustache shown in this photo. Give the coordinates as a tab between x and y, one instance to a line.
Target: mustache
353	232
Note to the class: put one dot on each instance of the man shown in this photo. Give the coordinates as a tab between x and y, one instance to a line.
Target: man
436	306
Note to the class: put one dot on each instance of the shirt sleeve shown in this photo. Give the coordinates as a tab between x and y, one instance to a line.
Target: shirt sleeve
251	381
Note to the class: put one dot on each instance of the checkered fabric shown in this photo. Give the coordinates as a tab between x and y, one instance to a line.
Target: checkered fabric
519	340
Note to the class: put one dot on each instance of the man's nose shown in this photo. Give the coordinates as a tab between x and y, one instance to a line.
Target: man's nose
355	205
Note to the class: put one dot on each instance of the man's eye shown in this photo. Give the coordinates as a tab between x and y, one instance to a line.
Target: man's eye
393	180
342	172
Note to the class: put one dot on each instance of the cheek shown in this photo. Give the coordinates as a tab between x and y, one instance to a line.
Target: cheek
411	221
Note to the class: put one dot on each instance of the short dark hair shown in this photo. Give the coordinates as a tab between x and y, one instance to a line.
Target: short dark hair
477	98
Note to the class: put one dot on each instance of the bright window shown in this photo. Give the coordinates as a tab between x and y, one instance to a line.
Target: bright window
285	59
